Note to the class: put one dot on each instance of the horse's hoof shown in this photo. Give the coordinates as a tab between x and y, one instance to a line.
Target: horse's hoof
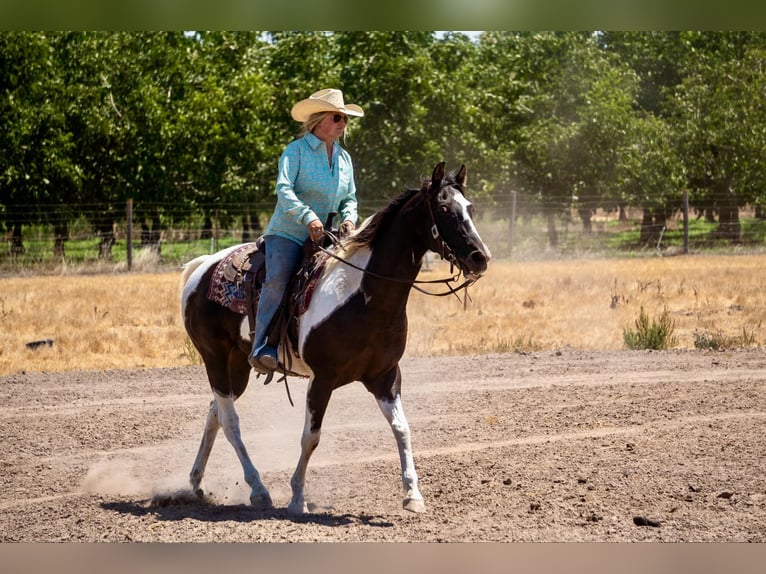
173	498
261	501
414	505
297	508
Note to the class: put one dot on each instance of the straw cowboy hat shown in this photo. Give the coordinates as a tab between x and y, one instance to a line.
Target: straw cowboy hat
328	100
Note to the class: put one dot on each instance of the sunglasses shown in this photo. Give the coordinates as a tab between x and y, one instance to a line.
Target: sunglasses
338	117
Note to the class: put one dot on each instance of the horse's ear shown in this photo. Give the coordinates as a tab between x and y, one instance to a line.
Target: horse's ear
438	175
460	176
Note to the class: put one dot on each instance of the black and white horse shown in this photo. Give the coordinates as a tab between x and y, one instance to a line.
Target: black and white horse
354	329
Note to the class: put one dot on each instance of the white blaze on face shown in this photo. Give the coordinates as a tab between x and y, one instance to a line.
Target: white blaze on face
468	220
337	285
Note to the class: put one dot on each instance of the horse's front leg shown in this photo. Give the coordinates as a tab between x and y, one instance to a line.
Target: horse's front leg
394	413
317	398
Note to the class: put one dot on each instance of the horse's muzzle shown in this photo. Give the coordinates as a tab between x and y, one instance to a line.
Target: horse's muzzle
476	264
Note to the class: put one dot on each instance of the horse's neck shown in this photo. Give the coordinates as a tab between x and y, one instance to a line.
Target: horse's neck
398	256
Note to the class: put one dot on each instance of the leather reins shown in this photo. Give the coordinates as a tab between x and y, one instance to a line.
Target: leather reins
445	253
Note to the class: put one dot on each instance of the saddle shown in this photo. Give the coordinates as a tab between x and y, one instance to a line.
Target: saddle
238	279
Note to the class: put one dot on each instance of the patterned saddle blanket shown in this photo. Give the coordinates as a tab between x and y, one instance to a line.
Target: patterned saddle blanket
229	283
245	268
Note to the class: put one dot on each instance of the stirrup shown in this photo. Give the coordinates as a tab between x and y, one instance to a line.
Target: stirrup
261	363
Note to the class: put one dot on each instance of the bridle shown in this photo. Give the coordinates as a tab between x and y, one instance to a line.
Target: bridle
445	252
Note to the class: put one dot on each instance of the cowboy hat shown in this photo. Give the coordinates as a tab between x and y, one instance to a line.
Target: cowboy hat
327	100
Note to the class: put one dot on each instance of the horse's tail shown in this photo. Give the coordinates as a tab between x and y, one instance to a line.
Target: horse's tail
186	271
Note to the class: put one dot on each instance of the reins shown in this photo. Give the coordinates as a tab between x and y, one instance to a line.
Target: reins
446	253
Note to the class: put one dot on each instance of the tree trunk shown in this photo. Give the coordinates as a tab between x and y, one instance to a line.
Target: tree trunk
61	234
729	227
156	235
246	237
145	234
207	228
652	222
553	236
17	242
251	226
623	216
106	234
585	215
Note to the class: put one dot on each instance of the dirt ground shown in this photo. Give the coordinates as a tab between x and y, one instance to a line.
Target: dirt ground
549	446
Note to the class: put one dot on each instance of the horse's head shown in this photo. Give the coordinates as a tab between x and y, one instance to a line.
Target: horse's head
453	233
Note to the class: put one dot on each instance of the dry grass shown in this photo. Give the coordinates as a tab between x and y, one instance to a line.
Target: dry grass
586	304
96	322
131	320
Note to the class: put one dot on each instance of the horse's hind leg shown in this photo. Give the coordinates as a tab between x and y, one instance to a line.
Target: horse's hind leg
227	414
228	373
208	438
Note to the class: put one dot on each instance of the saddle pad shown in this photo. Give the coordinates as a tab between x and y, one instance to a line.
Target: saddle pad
224	288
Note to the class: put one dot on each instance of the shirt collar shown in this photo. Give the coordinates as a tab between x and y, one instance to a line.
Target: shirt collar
315	142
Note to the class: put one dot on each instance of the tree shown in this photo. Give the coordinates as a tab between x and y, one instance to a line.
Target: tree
224	130
722	125
36	163
390	73
651	174
574	103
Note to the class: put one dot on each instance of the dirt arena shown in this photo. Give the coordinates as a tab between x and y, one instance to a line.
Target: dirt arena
549	446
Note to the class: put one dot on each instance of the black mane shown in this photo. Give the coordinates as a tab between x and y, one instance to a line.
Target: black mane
383	218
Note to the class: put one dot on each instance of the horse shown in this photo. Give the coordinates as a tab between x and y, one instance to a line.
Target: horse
353	329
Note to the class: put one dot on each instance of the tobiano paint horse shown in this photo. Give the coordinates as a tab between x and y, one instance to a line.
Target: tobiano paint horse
354	329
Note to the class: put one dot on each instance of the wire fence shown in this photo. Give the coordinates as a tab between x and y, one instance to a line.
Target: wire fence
527	236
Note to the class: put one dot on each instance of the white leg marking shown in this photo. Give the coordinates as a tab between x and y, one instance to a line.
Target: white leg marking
394	414
229	420
309	442
208	438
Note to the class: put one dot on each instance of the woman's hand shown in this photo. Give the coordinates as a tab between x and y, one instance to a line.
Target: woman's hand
346	227
316	230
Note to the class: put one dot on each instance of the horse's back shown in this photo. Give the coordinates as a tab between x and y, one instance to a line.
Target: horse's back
193	272
195	282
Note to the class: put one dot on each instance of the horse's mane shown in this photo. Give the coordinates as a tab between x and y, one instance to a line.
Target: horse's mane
381	220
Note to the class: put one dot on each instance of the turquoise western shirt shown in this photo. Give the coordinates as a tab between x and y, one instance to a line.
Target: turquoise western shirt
309	187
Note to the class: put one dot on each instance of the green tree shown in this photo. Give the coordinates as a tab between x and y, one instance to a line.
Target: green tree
651	173
722	125
36	164
572	103
223	129
391	75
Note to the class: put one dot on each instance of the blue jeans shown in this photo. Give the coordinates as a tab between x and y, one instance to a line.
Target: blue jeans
282	259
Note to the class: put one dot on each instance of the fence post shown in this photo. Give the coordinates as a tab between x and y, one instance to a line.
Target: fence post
129	237
686	222
512	222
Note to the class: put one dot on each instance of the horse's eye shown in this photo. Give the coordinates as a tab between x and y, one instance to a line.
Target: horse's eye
444	209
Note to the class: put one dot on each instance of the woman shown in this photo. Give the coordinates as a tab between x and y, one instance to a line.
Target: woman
315	178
